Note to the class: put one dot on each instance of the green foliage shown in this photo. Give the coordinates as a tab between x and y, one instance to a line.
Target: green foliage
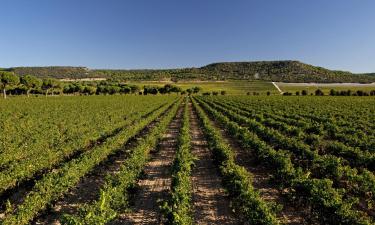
246	201
286	71
53	185
178	209
8	79
114	194
312	178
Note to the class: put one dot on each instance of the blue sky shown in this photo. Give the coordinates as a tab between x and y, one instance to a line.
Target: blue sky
337	34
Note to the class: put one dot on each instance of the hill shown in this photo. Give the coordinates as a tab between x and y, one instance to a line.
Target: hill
282	71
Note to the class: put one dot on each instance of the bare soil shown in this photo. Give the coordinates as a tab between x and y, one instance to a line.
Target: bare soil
155	186
211	202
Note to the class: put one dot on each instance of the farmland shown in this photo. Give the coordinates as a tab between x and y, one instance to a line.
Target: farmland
232	87
312	87
178	159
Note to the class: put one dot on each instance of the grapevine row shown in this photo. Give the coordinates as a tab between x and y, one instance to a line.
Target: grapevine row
238	181
27	169
53	185
355	156
114	196
178	209
362	183
325	201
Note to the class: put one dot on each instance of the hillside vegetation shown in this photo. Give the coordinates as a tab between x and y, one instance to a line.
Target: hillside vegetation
282	71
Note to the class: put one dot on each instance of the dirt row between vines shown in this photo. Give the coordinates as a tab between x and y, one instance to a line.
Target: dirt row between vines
290	213
155	185
17	194
88	189
211	202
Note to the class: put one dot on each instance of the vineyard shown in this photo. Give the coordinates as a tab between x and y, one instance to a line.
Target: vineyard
176	159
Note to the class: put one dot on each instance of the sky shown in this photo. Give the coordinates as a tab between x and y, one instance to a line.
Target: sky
131	34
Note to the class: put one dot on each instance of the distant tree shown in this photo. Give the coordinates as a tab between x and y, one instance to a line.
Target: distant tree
372	93
319	92
150	90
167	88
297	93
189	91
90	90
360	93
223	92
175	89
206	93
268	93
8	79
183	92
304	92
342	93
114	89
215	93
134	88
31	82
333	92
50	84
196	89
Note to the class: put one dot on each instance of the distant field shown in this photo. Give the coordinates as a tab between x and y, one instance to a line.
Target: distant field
311	87
231	87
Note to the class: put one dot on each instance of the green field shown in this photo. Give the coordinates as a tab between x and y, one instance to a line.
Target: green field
293	87
108	158
231	87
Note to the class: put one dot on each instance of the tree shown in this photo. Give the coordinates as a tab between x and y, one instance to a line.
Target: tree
297	93
50	83
134	88
175	89
332	92
31	82
8	79
268	93
304	92
150	90
319	92
196	89
223	92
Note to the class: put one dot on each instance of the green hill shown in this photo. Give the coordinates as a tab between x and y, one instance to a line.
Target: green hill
283	71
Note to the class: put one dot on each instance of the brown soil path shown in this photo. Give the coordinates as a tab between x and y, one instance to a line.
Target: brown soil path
88	189
155	186
211	203
290	214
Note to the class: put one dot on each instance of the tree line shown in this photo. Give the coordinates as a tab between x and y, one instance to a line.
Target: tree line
333	92
10	83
